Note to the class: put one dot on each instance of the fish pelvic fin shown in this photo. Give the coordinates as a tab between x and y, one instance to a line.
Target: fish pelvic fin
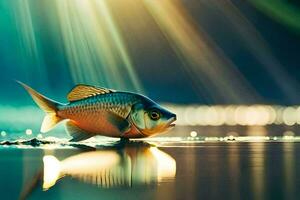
77	133
49	106
51	171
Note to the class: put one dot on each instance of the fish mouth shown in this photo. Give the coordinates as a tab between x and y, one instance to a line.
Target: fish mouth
171	122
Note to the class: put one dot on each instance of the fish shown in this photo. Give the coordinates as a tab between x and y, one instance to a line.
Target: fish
92	111
131	165
128	167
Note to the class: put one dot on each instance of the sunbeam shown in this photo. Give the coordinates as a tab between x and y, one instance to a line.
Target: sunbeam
257	45
29	46
205	63
94	47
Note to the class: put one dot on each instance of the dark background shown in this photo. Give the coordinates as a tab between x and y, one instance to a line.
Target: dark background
267	55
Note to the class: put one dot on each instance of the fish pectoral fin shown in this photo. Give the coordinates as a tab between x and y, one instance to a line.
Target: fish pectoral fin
77	133
122	124
84	91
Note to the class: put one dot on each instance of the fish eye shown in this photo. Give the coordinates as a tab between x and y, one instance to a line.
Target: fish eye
154	114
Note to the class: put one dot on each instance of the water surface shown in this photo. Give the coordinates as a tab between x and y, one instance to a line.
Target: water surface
160	170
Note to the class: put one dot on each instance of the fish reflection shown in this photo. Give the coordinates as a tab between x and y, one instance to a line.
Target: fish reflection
109	168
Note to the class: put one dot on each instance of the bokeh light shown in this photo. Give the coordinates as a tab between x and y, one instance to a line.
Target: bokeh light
231	115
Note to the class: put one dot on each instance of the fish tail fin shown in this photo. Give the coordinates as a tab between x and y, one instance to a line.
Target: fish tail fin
51	171
49	106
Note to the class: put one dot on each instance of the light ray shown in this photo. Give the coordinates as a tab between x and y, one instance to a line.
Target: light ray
29	46
259	48
282	11
204	62
94	47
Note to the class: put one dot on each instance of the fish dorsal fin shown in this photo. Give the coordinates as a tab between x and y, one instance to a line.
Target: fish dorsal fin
85	91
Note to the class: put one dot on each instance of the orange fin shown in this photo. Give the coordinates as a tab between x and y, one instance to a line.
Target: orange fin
84	91
49	122
47	105
77	133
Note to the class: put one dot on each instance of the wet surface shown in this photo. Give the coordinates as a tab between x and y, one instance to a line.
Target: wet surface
160	170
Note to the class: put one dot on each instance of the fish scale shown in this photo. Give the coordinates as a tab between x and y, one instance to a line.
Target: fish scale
100	111
91	114
117	103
